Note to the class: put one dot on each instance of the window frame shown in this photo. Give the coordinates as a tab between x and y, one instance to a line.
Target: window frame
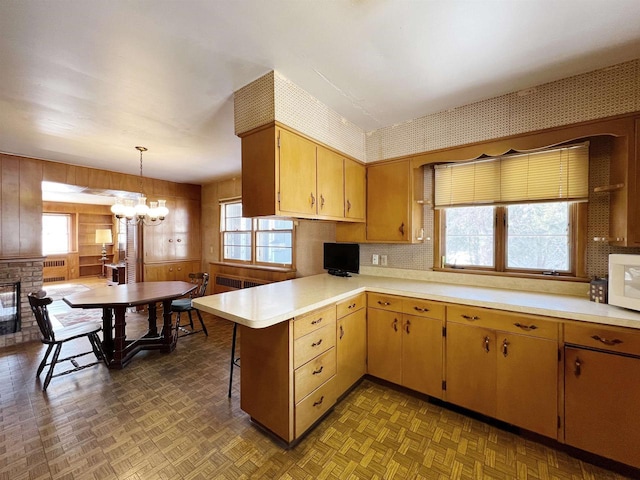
70	233
253	240
577	247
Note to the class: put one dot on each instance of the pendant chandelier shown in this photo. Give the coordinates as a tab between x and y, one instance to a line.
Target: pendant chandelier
140	212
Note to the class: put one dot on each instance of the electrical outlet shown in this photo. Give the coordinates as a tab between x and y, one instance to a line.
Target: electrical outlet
383	260
375	259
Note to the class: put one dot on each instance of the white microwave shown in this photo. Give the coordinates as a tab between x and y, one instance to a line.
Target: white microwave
624	281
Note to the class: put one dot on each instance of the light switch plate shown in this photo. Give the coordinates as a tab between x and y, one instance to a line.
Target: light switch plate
375	259
383	260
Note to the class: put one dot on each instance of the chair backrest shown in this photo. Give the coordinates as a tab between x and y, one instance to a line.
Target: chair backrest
202	279
38	302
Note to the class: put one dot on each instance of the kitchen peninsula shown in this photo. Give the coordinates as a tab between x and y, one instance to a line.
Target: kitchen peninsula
546	363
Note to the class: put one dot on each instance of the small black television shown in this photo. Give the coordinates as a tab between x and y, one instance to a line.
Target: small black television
340	259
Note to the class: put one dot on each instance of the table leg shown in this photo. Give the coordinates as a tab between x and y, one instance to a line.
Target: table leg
119	340
169	339
153	317
107	332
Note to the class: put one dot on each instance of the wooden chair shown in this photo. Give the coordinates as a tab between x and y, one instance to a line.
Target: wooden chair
186	305
55	338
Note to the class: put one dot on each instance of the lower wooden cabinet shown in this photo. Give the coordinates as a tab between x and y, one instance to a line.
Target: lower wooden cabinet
509	376
287	378
602	391
159	272
351	342
406	349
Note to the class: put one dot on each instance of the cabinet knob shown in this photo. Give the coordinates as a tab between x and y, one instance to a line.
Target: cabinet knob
578	367
179	240
505	347
171	240
486	344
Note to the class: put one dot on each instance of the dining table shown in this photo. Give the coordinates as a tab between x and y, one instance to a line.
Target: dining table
114	301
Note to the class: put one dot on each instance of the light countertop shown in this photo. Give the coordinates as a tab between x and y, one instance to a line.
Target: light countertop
266	305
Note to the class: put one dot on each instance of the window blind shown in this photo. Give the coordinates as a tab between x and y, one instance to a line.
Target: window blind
553	174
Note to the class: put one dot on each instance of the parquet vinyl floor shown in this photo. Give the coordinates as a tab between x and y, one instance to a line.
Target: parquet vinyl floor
167	416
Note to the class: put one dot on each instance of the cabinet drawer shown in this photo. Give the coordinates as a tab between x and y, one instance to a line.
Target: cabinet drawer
313	344
384	302
351	305
531	325
312	321
314	405
314	373
603	338
423	308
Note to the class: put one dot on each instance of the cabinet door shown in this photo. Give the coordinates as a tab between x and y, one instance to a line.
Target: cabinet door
471	368
330	172
527	383
388	202
422	355
602	395
355	183
297	174
384	345
351	343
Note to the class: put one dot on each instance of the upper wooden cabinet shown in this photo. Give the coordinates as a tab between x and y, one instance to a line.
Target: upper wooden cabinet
288	175
394	206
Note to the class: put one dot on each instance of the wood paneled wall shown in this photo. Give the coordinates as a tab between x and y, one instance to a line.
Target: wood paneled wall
21	197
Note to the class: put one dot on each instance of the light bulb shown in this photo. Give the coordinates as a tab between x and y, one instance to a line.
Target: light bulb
141	207
163	211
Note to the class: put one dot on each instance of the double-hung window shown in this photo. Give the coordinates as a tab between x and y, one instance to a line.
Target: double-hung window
262	241
519	213
56	233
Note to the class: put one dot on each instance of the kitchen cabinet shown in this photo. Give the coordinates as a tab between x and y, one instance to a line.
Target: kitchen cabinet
288	372
406	348
504	365
394	209
289	175
602	391
351	342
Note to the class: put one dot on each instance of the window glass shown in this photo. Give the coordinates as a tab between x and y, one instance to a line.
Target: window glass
469	237
273	237
538	236
55	234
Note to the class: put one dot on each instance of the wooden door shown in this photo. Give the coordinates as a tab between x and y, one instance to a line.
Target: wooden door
351	349
330	171
384	345
297	175
388	202
471	368
527	382
602	395
422	355
355	187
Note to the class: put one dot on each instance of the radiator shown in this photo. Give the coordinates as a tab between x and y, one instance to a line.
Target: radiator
55	270
227	283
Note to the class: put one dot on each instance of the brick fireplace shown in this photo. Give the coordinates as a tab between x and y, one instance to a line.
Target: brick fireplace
27	272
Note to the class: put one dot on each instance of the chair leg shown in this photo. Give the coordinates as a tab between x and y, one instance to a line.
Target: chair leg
54	360
204	329
43	363
96	345
233	354
177	322
190	319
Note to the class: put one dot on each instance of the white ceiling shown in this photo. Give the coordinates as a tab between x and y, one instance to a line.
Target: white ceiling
84	81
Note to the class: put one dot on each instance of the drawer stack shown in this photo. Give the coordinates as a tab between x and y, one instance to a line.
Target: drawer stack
314	358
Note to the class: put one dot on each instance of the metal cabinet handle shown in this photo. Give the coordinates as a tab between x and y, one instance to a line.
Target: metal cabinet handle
348	205
401	229
315	344
353	305
525	327
615	341
407	325
341	332
470	318
318	371
321	201
384	304
578	369
395	324
418	309
313	199
319	402
505	346
315	322
486	344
